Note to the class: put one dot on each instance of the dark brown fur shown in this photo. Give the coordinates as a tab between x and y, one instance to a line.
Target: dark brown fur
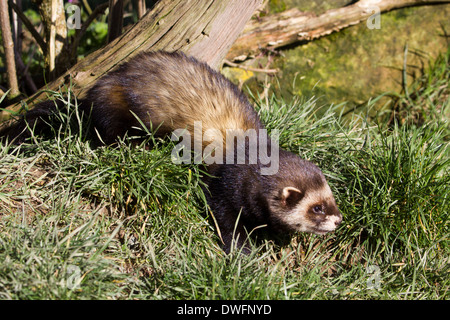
170	91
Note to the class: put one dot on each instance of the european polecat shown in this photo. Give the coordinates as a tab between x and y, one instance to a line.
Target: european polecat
174	92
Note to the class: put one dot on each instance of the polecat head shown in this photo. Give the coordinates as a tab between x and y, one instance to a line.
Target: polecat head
302	200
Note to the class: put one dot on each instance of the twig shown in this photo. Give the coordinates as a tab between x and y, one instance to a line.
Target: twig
236	65
80	33
87	6
24	71
40	41
404	74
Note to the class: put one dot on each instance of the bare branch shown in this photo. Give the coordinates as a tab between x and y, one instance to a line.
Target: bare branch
100	9
29	25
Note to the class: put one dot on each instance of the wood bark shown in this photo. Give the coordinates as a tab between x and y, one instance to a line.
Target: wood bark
293	26
56	57
141	8
205	29
8	45
115	19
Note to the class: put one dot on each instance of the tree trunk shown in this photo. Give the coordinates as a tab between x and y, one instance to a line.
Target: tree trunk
141	8
56	59
115	19
17	29
8	45
293	26
205	29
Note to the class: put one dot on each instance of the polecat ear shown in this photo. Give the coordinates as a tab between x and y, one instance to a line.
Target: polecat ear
290	196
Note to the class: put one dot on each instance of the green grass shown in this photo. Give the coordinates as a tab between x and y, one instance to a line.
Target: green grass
125	222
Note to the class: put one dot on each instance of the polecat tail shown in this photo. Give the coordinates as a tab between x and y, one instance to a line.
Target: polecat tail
36	120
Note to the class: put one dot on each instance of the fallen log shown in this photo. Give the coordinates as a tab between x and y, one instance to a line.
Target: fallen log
203	29
294	26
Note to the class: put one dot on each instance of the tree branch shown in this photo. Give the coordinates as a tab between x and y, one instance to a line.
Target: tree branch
39	40
293	26
100	9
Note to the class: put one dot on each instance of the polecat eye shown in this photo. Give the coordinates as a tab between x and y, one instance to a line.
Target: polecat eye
317	209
